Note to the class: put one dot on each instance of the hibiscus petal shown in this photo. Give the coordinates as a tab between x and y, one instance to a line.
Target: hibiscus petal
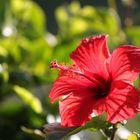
76	109
99	107
122	102
91	55
124	63
67	82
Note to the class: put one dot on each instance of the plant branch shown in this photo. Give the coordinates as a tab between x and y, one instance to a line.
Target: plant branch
114	131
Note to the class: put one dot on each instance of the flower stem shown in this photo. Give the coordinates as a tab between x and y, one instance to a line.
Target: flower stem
114	131
103	133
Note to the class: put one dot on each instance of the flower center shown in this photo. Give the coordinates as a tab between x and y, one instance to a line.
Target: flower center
102	91
103	86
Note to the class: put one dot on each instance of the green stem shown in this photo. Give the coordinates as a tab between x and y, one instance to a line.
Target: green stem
114	131
103	133
109	133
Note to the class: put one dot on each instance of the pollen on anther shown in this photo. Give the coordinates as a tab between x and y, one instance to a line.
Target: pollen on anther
53	64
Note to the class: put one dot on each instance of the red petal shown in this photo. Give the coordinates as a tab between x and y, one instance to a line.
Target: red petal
99	107
91	55
68	82
124	63
122	102
76	109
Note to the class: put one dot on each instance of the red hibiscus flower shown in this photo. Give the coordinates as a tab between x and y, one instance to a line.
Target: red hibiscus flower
97	82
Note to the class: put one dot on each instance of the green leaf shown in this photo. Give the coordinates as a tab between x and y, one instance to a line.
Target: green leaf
28	98
133	34
31	17
95	124
4	74
3	51
36	132
74	21
4	5
14	54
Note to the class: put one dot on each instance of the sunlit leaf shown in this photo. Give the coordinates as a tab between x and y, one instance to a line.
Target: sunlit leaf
3	52
75	7
4	74
78	26
75	21
32	131
133	34
28	98
31	16
13	54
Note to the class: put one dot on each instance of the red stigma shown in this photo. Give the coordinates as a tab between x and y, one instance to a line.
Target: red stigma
54	64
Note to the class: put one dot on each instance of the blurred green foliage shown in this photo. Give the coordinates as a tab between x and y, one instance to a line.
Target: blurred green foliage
26	49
